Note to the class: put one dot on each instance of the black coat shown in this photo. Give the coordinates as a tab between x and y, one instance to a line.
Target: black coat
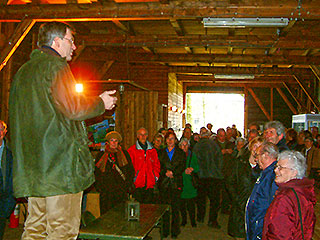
7	201
177	165
240	184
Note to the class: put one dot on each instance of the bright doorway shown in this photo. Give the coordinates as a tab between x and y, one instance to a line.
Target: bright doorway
219	109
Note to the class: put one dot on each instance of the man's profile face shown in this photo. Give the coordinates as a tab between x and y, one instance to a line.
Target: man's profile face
66	46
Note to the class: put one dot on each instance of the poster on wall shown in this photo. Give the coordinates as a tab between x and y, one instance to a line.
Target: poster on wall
100	130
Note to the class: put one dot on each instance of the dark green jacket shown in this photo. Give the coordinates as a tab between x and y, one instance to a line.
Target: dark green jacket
49	143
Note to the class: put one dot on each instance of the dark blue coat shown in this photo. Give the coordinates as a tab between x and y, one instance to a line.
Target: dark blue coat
7	201
259	201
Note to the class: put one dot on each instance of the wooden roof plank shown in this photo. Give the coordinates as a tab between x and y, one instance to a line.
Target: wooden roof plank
22	30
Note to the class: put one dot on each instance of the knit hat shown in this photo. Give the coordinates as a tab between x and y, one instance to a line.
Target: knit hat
113	134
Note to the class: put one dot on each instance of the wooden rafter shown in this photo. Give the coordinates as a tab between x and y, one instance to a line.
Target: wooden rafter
21	31
177	26
263	109
306	90
285	99
296	99
316	71
106	66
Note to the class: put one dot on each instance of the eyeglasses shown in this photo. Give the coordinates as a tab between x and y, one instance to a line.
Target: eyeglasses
70	40
280	167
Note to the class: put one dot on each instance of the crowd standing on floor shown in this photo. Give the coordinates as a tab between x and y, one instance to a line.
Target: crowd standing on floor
252	178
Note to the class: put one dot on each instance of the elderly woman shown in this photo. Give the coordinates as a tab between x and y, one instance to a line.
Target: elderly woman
157	142
189	192
114	173
294	201
173	164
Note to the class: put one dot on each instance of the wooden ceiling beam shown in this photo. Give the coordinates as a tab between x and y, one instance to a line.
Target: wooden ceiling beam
135	57
182	9
241	70
296	43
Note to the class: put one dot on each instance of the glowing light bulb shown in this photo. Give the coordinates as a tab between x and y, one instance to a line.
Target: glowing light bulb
79	87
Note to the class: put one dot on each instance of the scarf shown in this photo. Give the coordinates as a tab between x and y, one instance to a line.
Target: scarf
120	160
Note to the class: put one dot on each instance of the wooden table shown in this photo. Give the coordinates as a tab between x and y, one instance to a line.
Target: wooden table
114	225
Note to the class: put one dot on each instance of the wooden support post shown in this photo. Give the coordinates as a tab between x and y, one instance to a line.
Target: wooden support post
7	76
304	87
246	108
20	33
259	103
271	104
285	99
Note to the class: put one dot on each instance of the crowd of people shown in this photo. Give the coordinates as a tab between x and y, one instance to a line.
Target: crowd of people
260	180
253	179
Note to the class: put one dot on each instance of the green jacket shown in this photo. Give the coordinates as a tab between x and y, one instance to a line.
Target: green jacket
49	142
189	191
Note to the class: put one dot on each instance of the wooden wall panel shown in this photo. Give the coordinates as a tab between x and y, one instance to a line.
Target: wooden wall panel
140	110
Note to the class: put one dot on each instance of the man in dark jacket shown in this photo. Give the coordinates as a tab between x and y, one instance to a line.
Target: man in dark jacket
52	163
263	191
7	200
275	133
210	173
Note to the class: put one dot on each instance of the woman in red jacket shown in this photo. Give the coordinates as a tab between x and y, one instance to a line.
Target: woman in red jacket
283	220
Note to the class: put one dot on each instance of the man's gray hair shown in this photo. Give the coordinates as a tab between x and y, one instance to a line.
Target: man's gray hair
142	128
296	161
49	31
184	140
278	126
270	148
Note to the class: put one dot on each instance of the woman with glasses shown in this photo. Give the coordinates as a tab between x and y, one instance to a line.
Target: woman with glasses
173	163
291	213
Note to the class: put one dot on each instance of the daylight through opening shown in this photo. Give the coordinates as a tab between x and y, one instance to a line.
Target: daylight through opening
222	110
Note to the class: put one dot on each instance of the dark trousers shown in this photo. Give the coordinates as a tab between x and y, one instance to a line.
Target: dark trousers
143	195
190	205
2	226
226	199
211	188
171	197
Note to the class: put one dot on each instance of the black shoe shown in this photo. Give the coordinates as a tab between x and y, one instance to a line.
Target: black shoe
183	224
174	236
194	225
214	224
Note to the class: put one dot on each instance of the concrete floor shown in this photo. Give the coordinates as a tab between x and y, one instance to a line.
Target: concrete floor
202	232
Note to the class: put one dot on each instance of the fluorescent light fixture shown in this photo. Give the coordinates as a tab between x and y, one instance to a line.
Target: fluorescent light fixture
234	76
245	22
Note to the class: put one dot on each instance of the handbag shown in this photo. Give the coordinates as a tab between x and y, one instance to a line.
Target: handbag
194	176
